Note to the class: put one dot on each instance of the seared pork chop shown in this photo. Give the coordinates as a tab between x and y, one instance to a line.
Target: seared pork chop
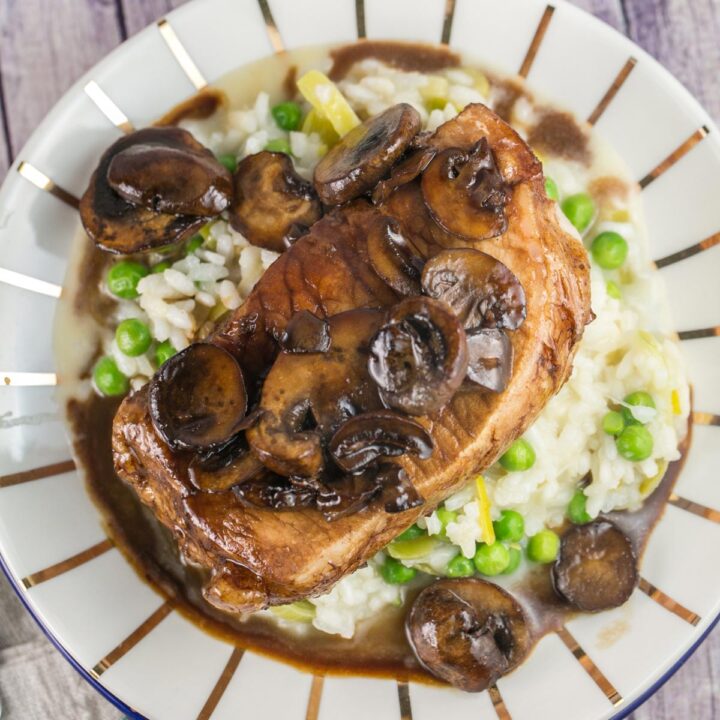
260	557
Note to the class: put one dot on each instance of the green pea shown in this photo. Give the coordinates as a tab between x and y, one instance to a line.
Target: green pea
515	558
123	278
551	189
280	145
395	573
411	533
579	210
613	423
229	161
460	566
613	290
638	398
287	115
161	267
195	243
609	250
519	456
635	443
492	559
510	526
576	511
543	547
164	352
108	379
445	516
133	337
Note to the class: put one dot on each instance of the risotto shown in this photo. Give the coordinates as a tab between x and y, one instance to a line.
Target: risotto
576	461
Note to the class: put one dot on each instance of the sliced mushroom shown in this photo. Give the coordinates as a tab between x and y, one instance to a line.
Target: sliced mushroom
171	180
480	289
307	396
197	399
596	568
403	173
222	467
273	205
306	333
348	494
366	154
119	226
468	632
393	257
366	437
419	357
490	356
466	193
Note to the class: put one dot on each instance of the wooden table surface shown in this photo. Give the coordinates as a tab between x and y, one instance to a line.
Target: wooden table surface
45	45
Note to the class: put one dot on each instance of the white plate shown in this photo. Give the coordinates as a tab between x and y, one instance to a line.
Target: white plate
92	603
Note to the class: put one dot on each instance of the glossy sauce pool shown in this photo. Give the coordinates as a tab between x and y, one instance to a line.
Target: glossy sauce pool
379	646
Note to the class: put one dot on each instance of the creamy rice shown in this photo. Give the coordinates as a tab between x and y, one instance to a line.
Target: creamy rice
629	347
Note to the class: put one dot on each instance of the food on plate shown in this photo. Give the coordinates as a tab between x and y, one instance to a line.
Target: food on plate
384	381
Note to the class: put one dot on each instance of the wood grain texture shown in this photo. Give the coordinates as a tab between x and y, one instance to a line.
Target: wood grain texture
684	36
137	14
45	45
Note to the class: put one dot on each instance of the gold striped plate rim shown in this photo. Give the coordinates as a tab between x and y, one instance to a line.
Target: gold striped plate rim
60	568
677	154
598	677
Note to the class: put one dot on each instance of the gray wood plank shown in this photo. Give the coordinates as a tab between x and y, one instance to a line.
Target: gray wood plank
694	692
609	11
683	35
137	14
45	45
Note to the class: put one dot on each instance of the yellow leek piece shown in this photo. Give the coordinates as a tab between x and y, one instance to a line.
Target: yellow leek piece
412	549
650	483
487	531
675	400
300	611
620	216
330	103
314	123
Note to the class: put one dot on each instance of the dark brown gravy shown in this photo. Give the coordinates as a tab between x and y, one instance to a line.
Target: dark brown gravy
379	647
403	56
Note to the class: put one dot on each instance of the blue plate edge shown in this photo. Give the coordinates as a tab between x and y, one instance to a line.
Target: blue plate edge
99	687
134	715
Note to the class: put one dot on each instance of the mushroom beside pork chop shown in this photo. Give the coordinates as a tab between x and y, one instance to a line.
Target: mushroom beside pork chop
259	557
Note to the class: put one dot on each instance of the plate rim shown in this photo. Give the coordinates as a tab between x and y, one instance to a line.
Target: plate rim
670	82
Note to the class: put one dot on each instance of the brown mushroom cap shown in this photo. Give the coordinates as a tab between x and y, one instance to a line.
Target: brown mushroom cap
596	568
466	193
118	226
404	172
171	180
393	258
366	154
419	357
469	632
221	467
480	289
307	396
197	399
364	438
273	205
490	356
306	333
